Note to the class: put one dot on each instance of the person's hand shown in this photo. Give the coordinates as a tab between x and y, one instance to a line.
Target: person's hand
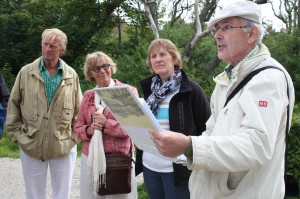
99	121
170	144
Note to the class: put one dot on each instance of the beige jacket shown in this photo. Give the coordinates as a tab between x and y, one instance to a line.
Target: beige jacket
43	132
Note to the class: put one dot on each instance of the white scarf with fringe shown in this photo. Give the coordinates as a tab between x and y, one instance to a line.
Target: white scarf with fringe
96	162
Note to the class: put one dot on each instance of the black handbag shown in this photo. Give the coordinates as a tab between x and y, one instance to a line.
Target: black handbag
118	175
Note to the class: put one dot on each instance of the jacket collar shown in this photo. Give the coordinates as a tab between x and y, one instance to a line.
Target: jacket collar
35	69
245	67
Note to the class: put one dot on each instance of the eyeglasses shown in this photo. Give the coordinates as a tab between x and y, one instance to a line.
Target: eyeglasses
97	69
226	28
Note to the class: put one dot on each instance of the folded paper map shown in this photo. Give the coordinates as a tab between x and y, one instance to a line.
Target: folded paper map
135	117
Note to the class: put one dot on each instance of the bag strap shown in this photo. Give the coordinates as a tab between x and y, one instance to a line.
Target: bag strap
131	152
244	82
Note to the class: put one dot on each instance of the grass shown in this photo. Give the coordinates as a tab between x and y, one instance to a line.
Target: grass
142	194
11	150
8	148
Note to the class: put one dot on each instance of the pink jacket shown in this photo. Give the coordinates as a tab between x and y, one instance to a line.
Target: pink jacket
115	139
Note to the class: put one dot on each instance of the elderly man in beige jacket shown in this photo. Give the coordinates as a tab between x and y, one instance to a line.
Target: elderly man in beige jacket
42	108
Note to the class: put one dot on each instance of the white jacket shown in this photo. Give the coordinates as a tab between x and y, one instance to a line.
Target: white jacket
241	154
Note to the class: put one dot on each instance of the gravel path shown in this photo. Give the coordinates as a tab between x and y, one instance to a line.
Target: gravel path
12	182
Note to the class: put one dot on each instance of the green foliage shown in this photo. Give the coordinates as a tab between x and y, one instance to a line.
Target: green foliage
22	23
16	39
94	18
132	69
179	33
7	147
200	56
9	78
129	55
142	193
293	144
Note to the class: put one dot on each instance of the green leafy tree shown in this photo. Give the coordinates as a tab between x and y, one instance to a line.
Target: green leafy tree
22	23
83	21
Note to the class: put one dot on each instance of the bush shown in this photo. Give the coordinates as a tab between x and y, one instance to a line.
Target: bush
293	145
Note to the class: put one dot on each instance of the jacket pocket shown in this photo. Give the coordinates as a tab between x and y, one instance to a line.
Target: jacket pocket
30	129
223	184
234	179
28	139
62	135
230	181
67	112
63	144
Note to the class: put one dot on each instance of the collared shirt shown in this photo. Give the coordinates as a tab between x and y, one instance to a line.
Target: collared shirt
51	83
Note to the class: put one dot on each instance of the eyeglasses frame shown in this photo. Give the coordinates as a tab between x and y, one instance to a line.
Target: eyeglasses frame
226	28
97	69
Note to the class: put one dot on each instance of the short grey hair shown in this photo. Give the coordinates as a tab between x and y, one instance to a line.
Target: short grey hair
249	23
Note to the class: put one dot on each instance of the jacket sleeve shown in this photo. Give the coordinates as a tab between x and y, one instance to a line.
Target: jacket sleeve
78	98
14	119
81	122
200	107
113	127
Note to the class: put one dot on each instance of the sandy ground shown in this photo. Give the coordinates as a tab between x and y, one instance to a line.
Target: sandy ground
12	182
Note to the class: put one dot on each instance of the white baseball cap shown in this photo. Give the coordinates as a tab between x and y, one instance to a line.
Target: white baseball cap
244	9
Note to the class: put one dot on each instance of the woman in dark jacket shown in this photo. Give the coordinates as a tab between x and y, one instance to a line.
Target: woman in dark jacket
179	104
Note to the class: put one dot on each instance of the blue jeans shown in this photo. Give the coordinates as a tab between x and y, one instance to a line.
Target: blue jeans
161	186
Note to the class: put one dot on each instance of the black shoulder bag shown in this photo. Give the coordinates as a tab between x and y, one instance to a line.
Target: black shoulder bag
291	184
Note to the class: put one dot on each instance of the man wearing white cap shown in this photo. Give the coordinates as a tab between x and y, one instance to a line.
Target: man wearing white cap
241	154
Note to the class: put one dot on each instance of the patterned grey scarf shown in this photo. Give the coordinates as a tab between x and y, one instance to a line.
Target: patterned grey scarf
159	91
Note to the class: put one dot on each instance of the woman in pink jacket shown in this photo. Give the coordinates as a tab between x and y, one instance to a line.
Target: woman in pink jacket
99	68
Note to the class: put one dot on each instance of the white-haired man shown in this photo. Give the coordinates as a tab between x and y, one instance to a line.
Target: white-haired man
42	108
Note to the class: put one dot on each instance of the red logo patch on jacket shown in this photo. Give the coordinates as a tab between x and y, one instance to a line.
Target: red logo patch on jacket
262	103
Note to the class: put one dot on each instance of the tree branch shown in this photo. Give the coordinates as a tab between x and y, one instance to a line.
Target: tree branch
150	17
